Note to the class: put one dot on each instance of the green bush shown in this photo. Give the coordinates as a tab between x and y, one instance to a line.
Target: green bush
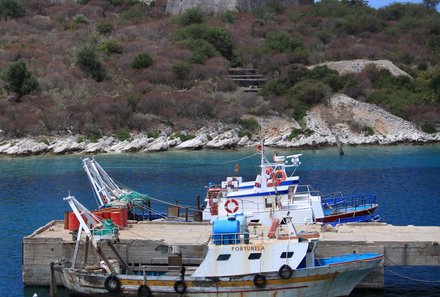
294	73
309	91
134	13
227	17
143	60
105	27
297	132
270	10
434	85
368	131
95	137
299	109
356	24
201	50
324	36
110	46
244	133
330	8
305	94
428	128
80	19
218	37
250	124
81	139
123	135
181	71
116	2
275	87
83	1
192	16
284	42
152	134
11	8
184	137
88	61
18	79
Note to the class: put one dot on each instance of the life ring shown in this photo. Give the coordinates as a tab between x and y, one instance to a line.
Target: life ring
285	272
259	281
227	206
144	291
278	176
180	287
112	283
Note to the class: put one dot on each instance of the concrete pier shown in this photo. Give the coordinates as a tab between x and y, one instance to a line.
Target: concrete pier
147	243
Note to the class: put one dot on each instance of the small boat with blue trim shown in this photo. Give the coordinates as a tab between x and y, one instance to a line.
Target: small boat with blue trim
242	260
275	192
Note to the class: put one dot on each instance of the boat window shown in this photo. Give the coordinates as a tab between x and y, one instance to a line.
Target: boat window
254	256
285	255
223	257
268	202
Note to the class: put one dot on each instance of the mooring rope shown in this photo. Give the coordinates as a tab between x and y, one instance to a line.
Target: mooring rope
405	276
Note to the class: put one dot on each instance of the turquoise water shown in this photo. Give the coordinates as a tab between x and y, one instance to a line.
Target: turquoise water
405	178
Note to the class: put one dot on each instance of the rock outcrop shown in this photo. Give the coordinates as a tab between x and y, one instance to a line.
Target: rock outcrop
357	66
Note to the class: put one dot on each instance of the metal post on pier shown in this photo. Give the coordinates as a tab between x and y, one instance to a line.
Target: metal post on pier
53	282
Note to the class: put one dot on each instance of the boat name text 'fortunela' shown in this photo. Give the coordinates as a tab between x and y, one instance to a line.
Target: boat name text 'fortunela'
256	248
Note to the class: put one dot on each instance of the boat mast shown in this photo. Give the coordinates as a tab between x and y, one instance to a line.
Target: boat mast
103	185
263	169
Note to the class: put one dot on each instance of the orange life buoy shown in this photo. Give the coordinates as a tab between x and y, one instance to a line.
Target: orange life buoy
278	176
227	206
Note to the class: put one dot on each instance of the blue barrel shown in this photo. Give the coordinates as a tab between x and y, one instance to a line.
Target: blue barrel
226	231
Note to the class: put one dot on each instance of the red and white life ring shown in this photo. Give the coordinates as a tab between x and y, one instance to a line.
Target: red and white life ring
227	206
278	176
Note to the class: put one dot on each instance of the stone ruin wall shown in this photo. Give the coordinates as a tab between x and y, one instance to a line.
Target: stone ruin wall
177	7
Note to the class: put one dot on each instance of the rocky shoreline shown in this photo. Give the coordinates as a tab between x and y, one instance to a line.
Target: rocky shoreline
341	117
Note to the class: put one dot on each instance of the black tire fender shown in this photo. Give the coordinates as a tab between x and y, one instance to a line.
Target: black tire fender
260	281
180	287
285	272
112	283
144	291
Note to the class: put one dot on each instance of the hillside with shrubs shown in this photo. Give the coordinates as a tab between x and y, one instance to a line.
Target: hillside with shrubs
114	67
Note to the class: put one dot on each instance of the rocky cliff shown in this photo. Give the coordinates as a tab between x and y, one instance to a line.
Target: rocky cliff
352	121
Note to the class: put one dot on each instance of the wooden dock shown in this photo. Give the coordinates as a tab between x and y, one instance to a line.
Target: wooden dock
148	242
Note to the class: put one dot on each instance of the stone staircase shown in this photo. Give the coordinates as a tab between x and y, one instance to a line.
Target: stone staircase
247	79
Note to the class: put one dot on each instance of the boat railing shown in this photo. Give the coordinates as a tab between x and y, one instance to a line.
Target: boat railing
249	205
230	238
341	203
303	190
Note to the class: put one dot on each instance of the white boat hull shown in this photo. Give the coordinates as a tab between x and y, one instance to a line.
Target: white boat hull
332	280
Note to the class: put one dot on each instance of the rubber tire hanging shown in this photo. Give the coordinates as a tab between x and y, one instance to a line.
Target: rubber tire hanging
259	281
112	283
180	287
285	272
144	291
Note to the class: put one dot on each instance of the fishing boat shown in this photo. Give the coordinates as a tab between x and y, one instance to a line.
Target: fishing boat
274	192
241	260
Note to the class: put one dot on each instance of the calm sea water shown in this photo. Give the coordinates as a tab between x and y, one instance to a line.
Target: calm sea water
406	180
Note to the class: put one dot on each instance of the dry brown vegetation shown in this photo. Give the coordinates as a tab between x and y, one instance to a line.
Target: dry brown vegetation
48	36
